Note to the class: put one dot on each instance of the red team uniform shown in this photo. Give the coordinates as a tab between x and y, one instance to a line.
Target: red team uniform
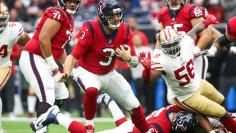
38	74
160	118
62	37
181	22
99	57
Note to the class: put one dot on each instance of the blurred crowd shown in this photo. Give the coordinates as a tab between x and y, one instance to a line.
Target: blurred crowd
142	18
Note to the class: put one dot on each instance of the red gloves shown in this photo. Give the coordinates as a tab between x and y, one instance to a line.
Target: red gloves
145	61
211	19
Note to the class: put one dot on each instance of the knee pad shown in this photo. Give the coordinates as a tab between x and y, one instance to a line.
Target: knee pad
42	108
60	102
91	92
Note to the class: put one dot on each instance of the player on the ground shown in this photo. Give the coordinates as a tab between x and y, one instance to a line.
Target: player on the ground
165	120
182	16
47	46
100	43
225	39
10	33
186	89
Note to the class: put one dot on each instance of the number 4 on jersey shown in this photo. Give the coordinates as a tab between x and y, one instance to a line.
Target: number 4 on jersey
3	51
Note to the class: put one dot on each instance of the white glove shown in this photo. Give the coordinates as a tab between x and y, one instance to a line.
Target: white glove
57	77
210	52
196	51
232	50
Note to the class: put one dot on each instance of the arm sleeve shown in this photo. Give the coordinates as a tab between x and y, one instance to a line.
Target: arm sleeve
55	13
223	41
196	12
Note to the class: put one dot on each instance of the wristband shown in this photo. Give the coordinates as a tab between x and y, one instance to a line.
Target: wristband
133	62
51	62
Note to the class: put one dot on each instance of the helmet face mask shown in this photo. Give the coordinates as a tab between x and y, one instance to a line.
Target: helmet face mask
175	5
110	13
4	16
70	6
169	42
184	122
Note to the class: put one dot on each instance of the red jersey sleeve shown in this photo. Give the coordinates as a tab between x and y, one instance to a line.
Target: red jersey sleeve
196	12
56	14
84	37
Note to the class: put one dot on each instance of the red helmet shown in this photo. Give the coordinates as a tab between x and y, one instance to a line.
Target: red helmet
70	6
4	16
231	26
175	4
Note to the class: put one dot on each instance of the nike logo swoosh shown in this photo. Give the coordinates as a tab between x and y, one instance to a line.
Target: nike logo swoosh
39	122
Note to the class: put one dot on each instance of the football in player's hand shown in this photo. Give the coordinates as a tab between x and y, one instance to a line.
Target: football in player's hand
121	51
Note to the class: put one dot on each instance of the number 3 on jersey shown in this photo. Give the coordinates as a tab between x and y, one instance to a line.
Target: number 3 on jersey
189	73
3	51
111	53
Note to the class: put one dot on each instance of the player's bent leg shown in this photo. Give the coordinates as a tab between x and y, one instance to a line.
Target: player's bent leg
209	91
121	91
116	113
4	76
205	106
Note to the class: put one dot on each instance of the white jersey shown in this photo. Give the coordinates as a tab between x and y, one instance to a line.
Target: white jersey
179	73
8	37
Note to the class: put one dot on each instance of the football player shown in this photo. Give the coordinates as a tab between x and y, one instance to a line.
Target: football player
165	120
100	43
10	33
182	16
39	56
224	39
184	88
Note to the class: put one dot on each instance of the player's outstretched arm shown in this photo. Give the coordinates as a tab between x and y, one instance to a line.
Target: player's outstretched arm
69	65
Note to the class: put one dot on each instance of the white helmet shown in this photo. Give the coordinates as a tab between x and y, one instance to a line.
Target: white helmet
169	41
4	16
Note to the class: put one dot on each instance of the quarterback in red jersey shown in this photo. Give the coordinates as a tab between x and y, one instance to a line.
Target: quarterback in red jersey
182	16
39	56
100	43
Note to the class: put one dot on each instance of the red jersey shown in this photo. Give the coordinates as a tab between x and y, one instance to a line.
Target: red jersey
95	49
231	27
160	118
60	39
181	21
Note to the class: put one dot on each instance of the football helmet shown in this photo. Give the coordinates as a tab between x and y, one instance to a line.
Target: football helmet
175	4
4	16
110	13
184	122
70	6
169	41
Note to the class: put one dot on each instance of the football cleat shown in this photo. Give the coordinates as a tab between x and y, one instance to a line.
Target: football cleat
104	98
46	118
89	129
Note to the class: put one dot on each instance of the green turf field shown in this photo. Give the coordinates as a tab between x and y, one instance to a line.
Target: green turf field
23	127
